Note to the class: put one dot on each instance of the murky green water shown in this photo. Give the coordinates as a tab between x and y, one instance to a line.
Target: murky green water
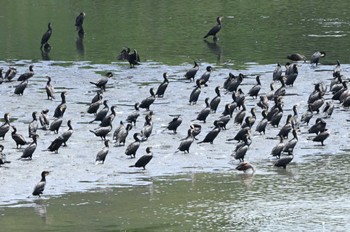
196	192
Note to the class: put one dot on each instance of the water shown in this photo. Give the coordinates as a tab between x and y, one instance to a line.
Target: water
196	191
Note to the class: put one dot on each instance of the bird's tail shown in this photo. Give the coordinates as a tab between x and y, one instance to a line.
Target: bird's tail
93	83
92	131
131	166
205	36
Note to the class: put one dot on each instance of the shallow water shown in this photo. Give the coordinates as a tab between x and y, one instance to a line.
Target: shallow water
313	187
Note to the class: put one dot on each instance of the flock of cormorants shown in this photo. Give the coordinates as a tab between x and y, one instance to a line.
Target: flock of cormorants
246	123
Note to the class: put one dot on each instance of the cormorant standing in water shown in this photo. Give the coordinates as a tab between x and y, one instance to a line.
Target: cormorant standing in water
101	83
44	119
55	145
284	161
190	74
209	138
147	102
2	156
195	93
109	118
21	87
4	128
46	37
214	103
61	108
33	126
163	86
79	20
175	123
254	91
121	133
67	134
49	89
215	29
144	160
18	138
39	188
102	131
28	151
101	155
131	149
133	58
25	76
244	166
134	115
186	142
315	58
203	114
205	77
102	113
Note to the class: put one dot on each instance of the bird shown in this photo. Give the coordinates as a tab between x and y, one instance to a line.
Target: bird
102	82
315	58
147	127
102	131
284	131
100	115
292	75
186	143
209	138
65	136
121	133
132	118
203	114
29	150
195	130
49	89
39	188
319	126
79	20
46	36
240	115
144	160
25	76
133	59
244	166
284	161
163	86
174	123
206	75
61	108
306	117
4	128
3	156
322	136
254	91
19	89
290	145
213	31
33	126
132	148
109	118
147	102
296	57
277	73
55	145
278	149
93	107
241	149
55	125
97	97
191	73
10	74
18	138
214	103
101	155
195	93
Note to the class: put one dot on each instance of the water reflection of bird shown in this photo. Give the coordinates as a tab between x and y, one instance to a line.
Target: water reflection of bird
79	44
144	160
46	36
214	30
215	49
39	188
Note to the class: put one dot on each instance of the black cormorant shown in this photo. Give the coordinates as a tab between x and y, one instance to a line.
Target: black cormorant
101	83
101	155
46	36
33	126
4	128
39	188
100	115
121	133
283	161
3	156
290	145
215	29
44	119
55	125
186	142
195	93
143	160
147	128
131	149
147	102
61	108
109	118
163	86
132	118
190	74
25	76
102	131
205	76
214	103
315	58
254	91
209	138
79	20
18	138
196	129
322	136
277	73
174	123
21	87
203	114
296	57
65	136
278	149
133	59
10	74
49	89
29	150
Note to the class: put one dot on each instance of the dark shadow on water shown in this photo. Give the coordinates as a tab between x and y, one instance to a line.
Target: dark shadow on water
79	43
215	49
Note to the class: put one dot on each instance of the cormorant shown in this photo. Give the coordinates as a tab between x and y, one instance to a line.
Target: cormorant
174	123
196	129
67	134
4	128
132	118
214	103
319	126
277	73
101	83
203	114
322	136
278	149
49	89
254	91
121	133
205	76
46	36
3	156
209	138
18	138
292	75
33	126
93	107
79	20
55	125
21	87
55	145
131	149
29	150
109	118
284	131
25	76
215	29
307	115
283	161
186	142
61	108
261	127
10	74
296	57
143	160
102	131
44	119
195	93
241	149
163	86
240	115
39	188
102	113
290	145
133	59
190	74
101	155
147	128
315	58
147	102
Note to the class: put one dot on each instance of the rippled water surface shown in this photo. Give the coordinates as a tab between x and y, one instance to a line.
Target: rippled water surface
199	191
